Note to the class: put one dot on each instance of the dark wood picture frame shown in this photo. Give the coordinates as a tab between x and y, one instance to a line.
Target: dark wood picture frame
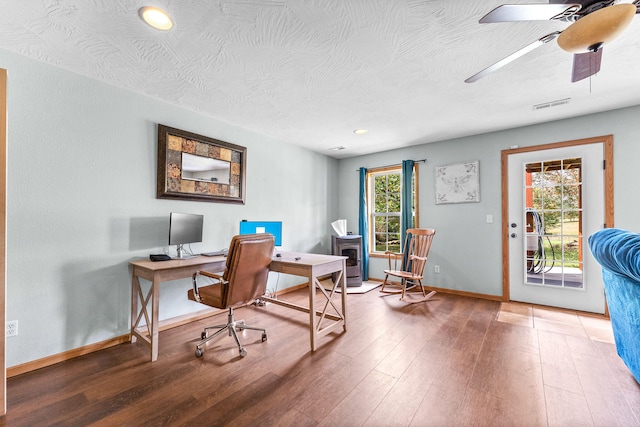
174	144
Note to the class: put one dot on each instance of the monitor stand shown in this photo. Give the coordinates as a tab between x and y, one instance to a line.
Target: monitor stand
181	254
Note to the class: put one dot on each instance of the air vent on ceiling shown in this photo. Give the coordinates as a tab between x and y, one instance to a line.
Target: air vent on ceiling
337	148
551	104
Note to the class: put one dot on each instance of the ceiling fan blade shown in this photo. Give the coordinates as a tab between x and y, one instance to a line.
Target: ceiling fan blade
529	12
586	65
513	56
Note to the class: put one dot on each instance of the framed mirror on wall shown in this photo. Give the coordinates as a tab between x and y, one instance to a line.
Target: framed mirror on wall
196	167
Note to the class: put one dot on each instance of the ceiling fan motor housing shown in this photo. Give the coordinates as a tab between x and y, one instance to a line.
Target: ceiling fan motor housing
592	31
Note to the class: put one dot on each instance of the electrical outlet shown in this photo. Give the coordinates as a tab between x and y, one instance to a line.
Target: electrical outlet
436	269
12	328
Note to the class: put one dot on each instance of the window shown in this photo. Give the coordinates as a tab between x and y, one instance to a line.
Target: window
384	205
553	197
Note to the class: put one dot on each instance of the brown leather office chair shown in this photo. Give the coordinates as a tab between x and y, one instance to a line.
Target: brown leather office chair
411	264
243	281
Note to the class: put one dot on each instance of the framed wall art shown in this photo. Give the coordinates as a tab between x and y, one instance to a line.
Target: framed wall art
196	167
458	183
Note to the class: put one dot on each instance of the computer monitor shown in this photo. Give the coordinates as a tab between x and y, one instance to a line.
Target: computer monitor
184	228
257	227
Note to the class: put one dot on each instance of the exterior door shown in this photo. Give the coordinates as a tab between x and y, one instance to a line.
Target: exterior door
556	200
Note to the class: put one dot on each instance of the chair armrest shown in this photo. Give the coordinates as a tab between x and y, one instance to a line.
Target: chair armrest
209	274
219	280
396	256
618	251
417	264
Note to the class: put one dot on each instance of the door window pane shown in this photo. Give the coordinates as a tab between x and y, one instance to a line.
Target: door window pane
553	217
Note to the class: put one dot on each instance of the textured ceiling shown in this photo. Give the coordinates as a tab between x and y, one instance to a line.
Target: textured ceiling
309	72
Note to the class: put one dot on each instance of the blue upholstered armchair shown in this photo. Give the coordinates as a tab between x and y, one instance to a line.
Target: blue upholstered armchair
618	252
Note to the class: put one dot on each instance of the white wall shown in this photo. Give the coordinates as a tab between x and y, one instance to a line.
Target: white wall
81	204
468	249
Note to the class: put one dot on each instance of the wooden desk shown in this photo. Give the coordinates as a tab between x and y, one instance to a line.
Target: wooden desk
156	273
311	266
314	266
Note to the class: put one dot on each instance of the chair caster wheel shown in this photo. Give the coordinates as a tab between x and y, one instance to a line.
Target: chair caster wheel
243	352
203	335
199	352
264	337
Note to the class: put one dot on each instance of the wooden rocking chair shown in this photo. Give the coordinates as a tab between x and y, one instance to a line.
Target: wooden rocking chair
411	262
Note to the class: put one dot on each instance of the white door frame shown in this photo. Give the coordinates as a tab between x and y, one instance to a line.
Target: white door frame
606	140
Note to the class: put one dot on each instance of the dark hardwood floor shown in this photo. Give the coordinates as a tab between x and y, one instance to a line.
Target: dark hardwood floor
453	361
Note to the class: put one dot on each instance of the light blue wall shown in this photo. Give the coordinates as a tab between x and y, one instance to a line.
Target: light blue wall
81	201
468	249
81	204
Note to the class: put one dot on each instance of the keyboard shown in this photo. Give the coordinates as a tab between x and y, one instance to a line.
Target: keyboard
216	253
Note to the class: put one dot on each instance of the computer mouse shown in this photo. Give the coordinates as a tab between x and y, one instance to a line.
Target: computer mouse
278	254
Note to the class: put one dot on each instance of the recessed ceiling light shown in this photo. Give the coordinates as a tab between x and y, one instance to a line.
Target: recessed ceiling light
360	131
156	17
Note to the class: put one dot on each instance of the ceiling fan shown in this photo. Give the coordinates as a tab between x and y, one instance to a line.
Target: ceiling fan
594	23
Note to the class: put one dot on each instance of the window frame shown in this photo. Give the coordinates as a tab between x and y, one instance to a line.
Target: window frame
371	174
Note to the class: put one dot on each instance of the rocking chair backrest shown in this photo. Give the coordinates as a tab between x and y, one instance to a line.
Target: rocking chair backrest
416	249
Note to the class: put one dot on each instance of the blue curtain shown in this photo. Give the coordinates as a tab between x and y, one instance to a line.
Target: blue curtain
406	210
362	224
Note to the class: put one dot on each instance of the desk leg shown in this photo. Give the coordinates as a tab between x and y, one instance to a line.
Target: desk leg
155	303
312	311
343	284
135	288
138	299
